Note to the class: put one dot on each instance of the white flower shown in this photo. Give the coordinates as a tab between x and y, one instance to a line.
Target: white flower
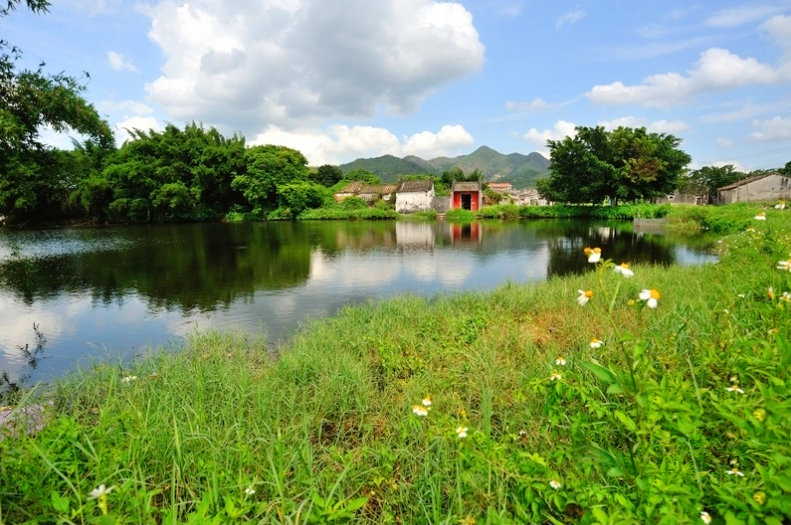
735	388
780	205
100	492
419	411
705	516
651	297
426	401
596	343
735	471
751	229
129	379
560	361
786	297
584	297
249	490
555	376
784	265
523	432
555	484
594	255
760	217
461	432
624	270
740	296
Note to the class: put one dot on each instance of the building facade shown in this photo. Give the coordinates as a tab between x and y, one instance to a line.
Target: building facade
414	195
766	186
466	195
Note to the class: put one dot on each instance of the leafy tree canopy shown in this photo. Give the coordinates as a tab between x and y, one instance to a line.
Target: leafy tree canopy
626	164
363	175
269	167
327	175
706	180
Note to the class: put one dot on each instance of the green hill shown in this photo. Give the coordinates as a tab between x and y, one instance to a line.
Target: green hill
516	168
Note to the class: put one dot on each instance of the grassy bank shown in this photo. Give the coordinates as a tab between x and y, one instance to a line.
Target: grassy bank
684	409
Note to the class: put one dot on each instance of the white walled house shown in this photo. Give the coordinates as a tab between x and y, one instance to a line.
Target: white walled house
766	186
414	195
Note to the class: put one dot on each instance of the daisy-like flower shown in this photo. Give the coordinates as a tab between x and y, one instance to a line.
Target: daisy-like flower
560	361
624	270
594	255
759	497
735	472
419	411
740	296
461	432
426	401
760	217
249	490
523	432
780	205
751	229
596	343
786	297
705	516
100	492
759	414
555	484
129	379
555	376
784	265
651	297
584	296
735	389
771	293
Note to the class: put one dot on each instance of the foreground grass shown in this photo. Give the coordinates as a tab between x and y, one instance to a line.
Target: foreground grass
640	430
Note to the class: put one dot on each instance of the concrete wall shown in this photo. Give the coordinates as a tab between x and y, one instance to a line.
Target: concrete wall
414	201
440	204
681	198
771	187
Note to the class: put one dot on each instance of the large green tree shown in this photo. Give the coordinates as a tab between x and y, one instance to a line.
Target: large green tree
30	100
269	167
626	164
706	180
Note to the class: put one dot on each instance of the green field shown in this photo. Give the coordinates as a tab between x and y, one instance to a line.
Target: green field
684	409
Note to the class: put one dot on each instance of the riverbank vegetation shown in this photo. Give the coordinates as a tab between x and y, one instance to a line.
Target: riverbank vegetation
592	398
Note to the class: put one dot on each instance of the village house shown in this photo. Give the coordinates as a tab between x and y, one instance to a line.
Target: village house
414	195
372	192
681	198
501	187
466	195
350	190
766	186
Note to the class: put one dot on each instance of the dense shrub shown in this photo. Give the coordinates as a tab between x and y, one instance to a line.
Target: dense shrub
460	215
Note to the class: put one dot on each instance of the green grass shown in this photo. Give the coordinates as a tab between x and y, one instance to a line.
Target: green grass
348	214
641	430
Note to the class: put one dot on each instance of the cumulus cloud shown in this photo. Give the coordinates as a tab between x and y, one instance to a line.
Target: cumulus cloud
341	143
119	63
779	29
560	130
717	70
128	124
659	126
124	106
295	63
778	128
569	18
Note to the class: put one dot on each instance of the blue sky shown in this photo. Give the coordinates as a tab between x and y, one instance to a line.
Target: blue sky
360	78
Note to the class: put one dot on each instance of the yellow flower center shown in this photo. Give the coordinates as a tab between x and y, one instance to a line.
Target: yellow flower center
587	251
655	294
625	266
588	293
597	250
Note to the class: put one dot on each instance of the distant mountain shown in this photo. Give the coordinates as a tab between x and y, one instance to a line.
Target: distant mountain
520	170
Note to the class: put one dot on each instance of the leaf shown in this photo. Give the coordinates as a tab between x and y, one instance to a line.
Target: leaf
599	371
356	504
59	503
731	519
615	388
626	420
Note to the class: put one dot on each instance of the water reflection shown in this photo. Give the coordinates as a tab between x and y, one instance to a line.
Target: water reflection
110	291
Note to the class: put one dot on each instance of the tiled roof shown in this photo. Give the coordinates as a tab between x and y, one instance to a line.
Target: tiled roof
466	186
748	180
494	185
412	186
382	189
352	187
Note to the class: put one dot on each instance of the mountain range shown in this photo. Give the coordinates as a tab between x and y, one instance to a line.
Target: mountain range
520	170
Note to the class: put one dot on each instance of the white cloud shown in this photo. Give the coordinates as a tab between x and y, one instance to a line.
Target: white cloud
290	63
341	143
58	139
779	29
119	63
135	122
124	106
560	130
569	18
536	104
724	143
743	14
717	70
659	126
778	128
738	166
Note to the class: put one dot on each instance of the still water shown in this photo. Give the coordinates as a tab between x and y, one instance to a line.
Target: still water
70	296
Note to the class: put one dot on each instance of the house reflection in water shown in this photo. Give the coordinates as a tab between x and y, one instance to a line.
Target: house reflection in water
415	234
466	234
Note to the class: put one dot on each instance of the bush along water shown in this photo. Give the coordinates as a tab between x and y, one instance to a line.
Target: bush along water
628	394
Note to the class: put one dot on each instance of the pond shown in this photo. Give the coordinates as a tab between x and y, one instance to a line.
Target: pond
70	296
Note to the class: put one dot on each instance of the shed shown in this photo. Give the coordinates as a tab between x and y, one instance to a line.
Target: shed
414	195
766	186
466	195
372	192
350	190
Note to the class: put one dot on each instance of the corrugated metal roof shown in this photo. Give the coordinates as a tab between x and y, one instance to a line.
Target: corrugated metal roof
748	180
414	186
466	186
